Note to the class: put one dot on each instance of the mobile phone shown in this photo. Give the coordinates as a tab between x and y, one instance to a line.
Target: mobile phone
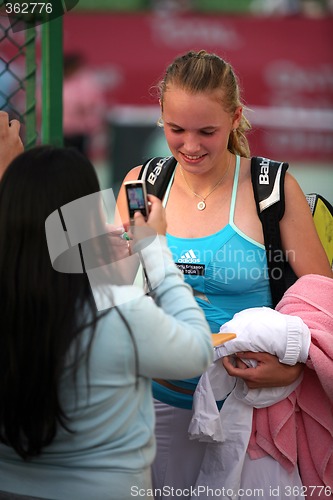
136	195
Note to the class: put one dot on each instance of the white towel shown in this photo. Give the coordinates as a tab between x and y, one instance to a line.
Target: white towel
227	432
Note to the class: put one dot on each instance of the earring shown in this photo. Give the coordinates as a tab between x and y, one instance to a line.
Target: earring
234	130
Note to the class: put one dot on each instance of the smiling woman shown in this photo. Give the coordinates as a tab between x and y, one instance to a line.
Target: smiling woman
210	206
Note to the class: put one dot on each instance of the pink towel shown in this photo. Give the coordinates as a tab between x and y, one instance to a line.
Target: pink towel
299	429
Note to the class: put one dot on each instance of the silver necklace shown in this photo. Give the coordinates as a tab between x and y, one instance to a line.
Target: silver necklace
202	204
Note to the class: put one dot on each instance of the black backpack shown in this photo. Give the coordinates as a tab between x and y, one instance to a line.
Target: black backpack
268	187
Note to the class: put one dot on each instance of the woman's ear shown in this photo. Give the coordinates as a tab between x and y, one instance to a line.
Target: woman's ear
237	117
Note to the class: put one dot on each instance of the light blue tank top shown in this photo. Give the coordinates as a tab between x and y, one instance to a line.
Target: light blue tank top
227	271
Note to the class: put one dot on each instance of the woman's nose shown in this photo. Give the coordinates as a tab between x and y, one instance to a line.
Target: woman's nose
191	144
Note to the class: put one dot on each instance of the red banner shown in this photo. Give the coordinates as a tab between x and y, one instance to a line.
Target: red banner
285	67
284	64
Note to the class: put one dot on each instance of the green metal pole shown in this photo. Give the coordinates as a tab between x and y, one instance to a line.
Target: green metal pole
30	87
52	78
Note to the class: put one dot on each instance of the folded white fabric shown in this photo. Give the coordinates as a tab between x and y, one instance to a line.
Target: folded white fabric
262	329
227	432
259	329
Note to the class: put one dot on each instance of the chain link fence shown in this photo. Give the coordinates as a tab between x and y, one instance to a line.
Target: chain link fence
18	76
31	77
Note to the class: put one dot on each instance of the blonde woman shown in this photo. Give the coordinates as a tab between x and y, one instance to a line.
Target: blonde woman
214	229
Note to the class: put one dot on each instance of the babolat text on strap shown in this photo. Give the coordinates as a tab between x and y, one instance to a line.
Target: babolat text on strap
268	188
157	173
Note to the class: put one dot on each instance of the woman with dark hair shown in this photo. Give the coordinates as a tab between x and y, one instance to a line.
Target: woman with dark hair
76	413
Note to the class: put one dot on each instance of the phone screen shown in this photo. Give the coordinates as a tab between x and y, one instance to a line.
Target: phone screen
136	200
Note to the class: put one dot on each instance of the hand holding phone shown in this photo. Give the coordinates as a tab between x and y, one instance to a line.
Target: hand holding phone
153	211
136	196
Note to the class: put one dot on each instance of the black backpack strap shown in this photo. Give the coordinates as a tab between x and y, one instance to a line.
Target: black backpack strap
268	188
157	173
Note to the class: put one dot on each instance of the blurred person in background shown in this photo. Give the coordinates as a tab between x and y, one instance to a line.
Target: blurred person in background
83	105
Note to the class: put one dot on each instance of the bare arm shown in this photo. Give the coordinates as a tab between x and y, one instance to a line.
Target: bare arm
10	141
306	256
299	236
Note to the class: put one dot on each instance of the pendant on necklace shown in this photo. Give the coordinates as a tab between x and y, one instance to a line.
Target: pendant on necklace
201	205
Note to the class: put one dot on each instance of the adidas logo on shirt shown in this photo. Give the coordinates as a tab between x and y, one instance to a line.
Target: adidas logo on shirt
189	257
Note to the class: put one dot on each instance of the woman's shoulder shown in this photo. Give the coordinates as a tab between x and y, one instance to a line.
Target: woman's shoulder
293	192
133	174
